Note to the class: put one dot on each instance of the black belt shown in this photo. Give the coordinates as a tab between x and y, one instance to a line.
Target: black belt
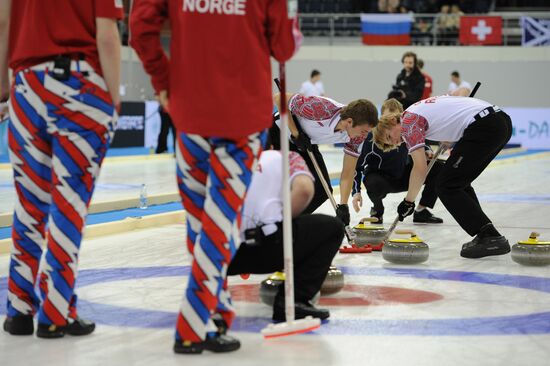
486	112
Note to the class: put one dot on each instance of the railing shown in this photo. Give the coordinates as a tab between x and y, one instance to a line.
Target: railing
427	29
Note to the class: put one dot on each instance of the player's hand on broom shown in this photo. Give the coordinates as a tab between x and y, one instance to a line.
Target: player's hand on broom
342	212
302	141
405	209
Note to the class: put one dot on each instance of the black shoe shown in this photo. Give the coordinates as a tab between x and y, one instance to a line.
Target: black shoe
426	217
301	310
218	343
483	247
220	324
377	215
76	327
19	325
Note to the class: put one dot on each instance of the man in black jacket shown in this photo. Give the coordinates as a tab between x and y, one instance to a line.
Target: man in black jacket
409	84
389	172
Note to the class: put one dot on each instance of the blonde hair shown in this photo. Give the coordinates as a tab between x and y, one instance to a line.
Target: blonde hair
391	105
385	123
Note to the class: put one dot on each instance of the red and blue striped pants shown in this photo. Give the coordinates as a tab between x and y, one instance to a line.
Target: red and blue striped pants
213	176
58	135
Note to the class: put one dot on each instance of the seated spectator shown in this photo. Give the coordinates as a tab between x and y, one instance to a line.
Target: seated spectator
388	6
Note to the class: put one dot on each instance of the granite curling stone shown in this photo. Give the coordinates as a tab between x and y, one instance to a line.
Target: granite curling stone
405	251
334	281
531	252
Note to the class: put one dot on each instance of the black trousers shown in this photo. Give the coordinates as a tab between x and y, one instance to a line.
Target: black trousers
378	185
165	126
316	239
481	143
320	195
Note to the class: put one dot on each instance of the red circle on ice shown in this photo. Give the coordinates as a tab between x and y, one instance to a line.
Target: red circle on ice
351	295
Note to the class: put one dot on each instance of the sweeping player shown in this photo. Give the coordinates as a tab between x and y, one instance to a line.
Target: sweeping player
316	237
480	131
320	120
66	76
386	172
217	88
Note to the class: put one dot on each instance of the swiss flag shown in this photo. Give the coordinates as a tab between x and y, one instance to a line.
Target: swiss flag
480	30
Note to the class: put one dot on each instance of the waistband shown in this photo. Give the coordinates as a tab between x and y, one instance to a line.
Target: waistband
76	65
486	112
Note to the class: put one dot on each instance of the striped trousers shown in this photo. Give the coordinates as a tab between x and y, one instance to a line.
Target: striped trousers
213	175
58	135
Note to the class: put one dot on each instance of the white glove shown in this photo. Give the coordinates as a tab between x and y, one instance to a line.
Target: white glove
357	201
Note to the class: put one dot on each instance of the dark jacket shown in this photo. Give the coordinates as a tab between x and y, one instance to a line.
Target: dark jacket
412	86
372	159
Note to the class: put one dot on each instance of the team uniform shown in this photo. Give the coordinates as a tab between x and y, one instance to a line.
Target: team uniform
389	172
61	126
317	117
316	237
218	113
480	131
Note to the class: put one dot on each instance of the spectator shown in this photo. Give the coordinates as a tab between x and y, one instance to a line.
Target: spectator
409	84
456	83
314	86
447	24
428	83
388	6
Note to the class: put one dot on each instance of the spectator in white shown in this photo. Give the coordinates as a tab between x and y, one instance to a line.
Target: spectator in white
314	86
456	82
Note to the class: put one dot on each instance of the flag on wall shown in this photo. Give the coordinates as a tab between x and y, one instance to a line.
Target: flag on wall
480	30
386	29
535	32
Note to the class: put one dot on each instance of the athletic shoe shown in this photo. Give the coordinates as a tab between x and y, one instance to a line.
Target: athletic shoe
483	247
217	343
19	325
76	327
377	215
426	217
301	310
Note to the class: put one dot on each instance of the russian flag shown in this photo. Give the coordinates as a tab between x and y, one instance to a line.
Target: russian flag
386	29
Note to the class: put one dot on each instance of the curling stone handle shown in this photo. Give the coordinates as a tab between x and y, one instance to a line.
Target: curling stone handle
534	235
368	219
405	232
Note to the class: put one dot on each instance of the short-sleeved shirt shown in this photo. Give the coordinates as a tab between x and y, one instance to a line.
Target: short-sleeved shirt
318	117
442	118
310	89
263	205
463	84
41	30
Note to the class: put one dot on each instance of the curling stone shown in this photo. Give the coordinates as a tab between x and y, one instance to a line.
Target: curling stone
405	251
270	286
334	281
367	234
531	252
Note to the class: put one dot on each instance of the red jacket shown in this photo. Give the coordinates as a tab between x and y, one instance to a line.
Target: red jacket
219	72
427	86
